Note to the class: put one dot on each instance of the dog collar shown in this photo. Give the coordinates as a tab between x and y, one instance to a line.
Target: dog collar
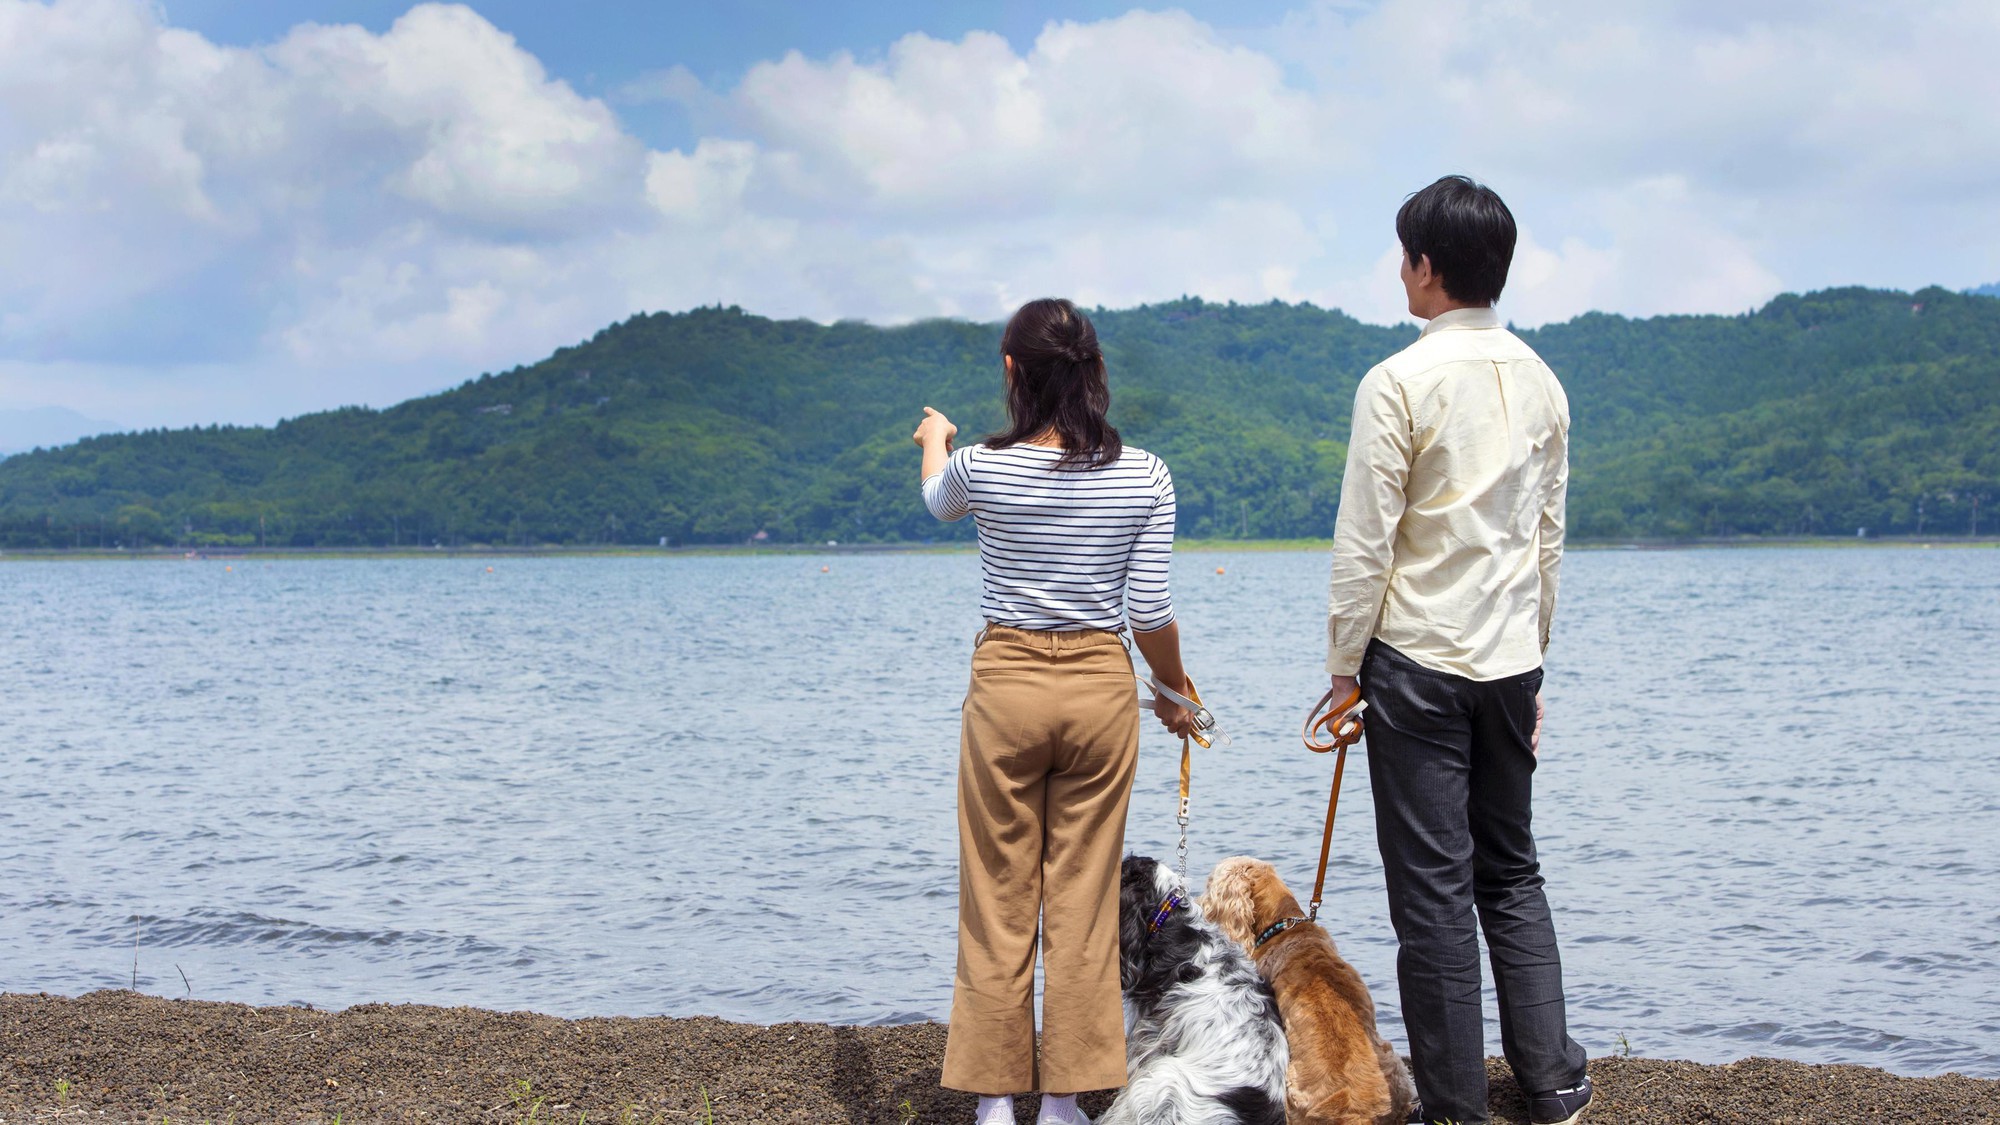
1173	902
1274	929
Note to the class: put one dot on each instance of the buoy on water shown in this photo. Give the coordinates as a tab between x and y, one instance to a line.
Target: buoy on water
1218	570
489	570
826	570
227	569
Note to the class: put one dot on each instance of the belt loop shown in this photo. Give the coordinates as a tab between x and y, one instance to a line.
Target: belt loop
979	638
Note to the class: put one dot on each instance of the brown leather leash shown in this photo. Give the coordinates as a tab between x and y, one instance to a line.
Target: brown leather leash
1341	727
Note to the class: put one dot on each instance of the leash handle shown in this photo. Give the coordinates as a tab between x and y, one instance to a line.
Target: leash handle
1341	724
1342	727
1162	689
1207	731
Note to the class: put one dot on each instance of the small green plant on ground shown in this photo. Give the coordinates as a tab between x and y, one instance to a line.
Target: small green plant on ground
62	1092
522	1094
1624	1050
707	1109
908	1111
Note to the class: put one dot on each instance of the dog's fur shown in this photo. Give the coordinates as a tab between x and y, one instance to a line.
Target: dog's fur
1203	1045
1341	1072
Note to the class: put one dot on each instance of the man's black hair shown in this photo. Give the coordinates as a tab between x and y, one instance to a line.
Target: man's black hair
1467	232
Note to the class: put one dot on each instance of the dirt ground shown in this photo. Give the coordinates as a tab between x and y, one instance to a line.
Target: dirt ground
121	1056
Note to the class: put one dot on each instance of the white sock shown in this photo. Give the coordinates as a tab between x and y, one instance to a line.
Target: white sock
996	1111
1060	1109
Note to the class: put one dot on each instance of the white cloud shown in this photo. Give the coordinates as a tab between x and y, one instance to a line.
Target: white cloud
1676	156
195	232
704	185
1669	250
471	127
344	211
1146	112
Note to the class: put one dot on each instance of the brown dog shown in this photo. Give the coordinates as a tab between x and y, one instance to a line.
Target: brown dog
1342	1072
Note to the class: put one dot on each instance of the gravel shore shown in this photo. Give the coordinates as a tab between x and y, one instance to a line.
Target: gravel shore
122	1056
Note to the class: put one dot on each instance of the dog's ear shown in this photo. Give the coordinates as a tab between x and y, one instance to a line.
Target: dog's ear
1135	905
1229	902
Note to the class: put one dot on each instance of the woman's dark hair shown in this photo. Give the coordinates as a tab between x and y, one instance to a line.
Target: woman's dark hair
1467	232
1058	385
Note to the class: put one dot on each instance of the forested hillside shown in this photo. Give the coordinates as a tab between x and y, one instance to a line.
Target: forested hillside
1818	413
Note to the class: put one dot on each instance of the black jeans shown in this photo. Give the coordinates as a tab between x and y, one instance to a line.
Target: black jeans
1450	763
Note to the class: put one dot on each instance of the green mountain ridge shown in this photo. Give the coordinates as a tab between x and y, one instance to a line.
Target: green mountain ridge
1819	414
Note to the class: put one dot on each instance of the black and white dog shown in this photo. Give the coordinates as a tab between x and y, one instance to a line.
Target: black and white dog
1203	1045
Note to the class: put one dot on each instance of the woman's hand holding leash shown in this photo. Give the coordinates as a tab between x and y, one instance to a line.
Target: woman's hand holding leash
1162	649
1178	720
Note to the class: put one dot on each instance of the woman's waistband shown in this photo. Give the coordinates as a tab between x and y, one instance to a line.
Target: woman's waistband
1050	640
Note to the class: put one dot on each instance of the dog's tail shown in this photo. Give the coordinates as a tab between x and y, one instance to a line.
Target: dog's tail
1169	1092
1402	1091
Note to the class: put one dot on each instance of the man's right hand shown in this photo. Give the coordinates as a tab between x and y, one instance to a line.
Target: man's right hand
1535	743
1344	688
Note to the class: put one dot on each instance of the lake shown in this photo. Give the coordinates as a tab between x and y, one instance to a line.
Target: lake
1768	803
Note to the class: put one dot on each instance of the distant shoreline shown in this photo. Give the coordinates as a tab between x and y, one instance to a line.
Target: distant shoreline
124	1056
554	551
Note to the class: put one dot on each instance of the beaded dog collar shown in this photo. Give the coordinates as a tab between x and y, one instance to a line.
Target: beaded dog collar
1274	929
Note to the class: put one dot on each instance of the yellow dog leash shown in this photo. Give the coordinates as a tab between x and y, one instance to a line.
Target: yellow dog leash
1206	732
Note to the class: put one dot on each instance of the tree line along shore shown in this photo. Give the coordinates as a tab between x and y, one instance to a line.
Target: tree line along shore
124	1056
1199	546
1832	414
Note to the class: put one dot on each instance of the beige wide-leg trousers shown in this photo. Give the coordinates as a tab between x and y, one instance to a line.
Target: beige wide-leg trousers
1048	747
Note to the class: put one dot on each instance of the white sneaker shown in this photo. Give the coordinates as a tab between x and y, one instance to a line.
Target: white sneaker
1064	1112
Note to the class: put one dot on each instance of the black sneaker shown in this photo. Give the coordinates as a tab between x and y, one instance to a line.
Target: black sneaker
1560	1107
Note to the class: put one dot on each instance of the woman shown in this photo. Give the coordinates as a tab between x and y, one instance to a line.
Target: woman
1075	533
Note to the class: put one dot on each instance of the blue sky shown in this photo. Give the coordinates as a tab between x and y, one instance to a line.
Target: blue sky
603	46
215	212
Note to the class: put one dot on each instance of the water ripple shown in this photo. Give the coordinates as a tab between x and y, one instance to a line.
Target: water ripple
726	786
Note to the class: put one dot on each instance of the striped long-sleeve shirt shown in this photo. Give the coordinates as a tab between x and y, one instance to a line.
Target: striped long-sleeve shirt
1070	549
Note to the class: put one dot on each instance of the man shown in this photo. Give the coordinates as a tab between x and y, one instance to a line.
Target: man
1444	582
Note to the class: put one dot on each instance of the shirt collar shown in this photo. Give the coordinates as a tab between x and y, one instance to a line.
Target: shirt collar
1463	318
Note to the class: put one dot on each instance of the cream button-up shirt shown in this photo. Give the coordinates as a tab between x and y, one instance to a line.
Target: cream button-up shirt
1451	513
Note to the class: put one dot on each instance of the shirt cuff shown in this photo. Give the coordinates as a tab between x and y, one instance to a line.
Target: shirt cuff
1341	664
